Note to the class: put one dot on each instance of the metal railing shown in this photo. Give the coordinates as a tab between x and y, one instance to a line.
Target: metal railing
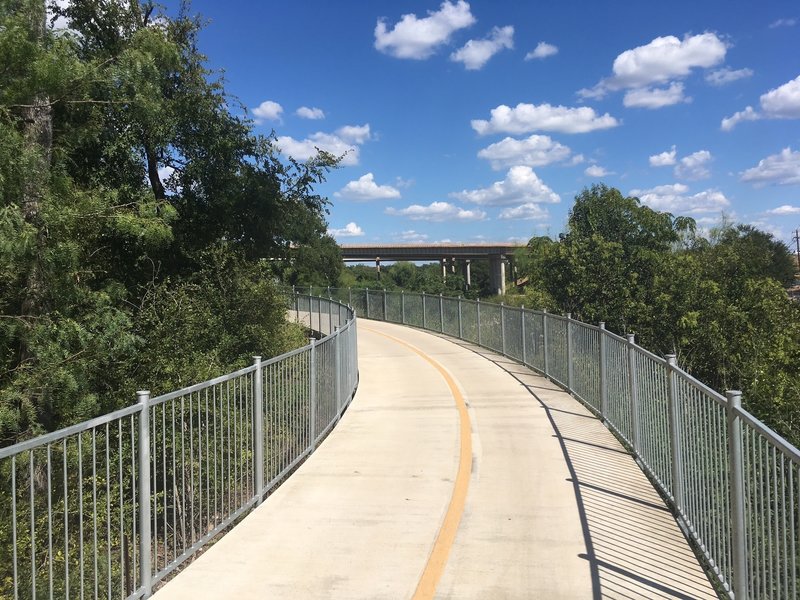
110	507
733	483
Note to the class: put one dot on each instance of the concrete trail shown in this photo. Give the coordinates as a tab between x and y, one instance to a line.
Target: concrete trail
455	473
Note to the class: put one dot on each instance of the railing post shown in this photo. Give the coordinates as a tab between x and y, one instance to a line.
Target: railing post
460	321
441	314
478	311
633	381
145	534
385	316
366	299
424	323
312	383
258	429
524	341
338	371
402	307
603	373
544	341
570	370
675	433
736	466
503	328
330	313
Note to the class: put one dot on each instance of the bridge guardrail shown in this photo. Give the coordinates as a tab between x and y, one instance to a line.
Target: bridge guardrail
733	483
72	520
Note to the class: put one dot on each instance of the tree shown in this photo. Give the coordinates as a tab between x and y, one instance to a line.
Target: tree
124	177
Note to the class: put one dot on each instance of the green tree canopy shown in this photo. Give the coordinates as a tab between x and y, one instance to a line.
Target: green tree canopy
127	177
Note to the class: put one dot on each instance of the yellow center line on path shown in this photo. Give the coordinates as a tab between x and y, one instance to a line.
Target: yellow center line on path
434	568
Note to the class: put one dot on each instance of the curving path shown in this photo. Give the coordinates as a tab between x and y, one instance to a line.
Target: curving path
456	473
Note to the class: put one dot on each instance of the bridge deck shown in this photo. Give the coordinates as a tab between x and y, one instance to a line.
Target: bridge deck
553	507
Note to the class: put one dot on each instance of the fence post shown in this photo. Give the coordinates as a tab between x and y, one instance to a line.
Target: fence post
366	299
296	299
349	296
258	433
402	307
423	311
570	370
503	328
603	373
480	341
330	313
544	341
145	535
524	341
385	316
737	494
460	322
338	371
441	314
675	433
312	383
633	381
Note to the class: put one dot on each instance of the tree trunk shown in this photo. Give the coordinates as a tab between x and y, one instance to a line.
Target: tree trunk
37	127
152	173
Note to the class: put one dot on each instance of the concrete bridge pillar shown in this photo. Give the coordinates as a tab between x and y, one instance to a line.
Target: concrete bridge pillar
466	272
378	266
497	273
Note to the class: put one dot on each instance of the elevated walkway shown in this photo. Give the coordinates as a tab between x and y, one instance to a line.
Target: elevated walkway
455	473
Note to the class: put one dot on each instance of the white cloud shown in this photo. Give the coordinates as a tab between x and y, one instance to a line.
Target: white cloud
542	50
419	38
596	171
748	114
267	111
783	23
165	173
785	209
782	102
675	199
694	166
577	160
524	212
349	230
525	118
437	211
403	183
411	237
727	75
354	134
521	186
663	59
305	112
782	168
665	159
365	188
655	97
345	141
476	53
534	151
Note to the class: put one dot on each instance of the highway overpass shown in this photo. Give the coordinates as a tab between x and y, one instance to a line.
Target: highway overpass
450	256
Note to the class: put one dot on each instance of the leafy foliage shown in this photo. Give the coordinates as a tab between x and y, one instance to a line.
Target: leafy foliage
143	226
719	304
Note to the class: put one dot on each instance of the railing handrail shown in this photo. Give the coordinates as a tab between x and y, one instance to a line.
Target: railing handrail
165	449
726	460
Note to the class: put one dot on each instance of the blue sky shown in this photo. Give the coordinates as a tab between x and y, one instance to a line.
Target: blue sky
481	121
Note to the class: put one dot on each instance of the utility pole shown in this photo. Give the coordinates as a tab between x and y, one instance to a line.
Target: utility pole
797	245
